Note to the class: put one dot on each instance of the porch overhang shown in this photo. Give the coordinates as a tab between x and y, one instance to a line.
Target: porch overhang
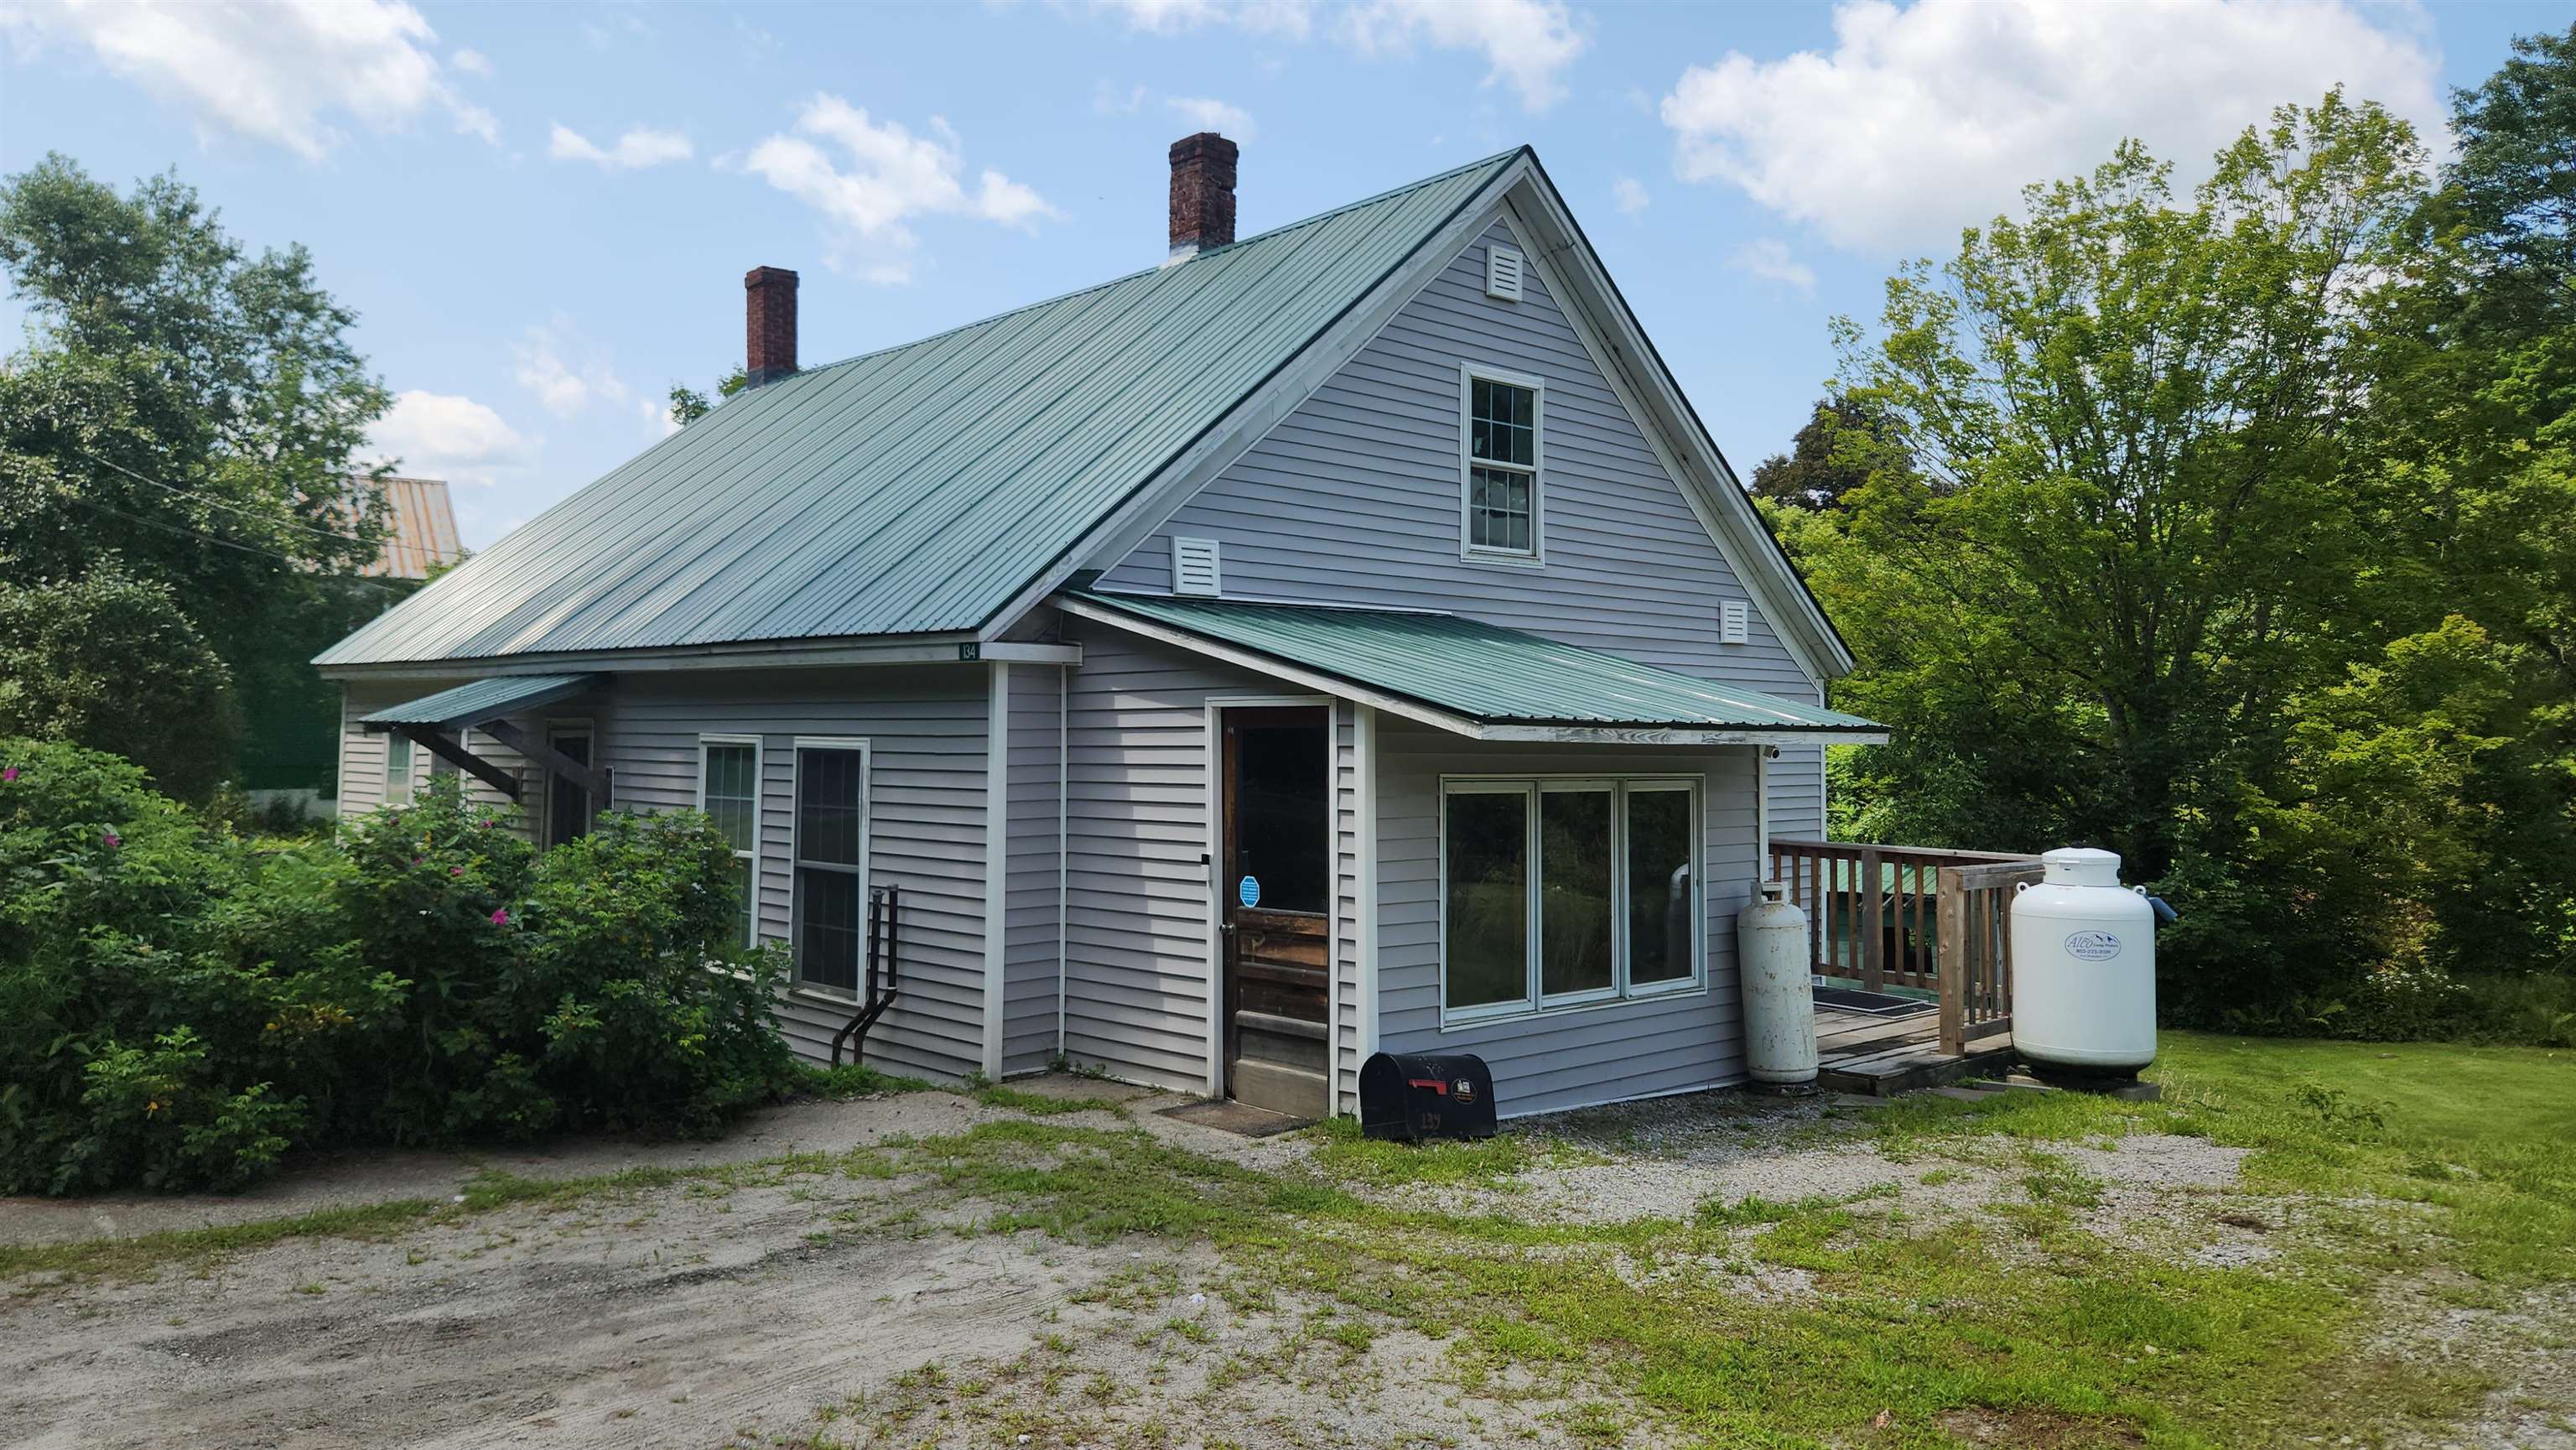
486	705
1478	680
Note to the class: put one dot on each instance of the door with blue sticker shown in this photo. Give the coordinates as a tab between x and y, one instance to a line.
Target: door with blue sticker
1275	878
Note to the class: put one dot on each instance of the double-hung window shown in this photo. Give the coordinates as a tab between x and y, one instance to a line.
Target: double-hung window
831	863
397	768
1499	462
1563	892
729	792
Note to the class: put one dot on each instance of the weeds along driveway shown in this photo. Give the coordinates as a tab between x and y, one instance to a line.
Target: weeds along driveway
1034	1269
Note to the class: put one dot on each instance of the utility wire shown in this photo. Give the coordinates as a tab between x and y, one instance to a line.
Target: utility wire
222	504
218	539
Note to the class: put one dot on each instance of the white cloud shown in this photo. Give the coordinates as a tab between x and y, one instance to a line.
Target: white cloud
1769	259
1927	119
1214	115
641	146
1526	42
1630	193
1293	19
1108	100
881	179
278	71
445	435
470	61
657	417
564	388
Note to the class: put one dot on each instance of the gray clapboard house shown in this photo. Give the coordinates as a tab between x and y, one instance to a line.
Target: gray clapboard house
1342	639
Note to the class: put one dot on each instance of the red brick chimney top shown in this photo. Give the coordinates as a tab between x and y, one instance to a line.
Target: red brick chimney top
769	324
1202	192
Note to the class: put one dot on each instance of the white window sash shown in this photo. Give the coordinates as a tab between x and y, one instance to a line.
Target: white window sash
1470	374
707	746
1535	1001
797	865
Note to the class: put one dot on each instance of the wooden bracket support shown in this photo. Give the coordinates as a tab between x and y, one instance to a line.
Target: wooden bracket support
463	759
592	779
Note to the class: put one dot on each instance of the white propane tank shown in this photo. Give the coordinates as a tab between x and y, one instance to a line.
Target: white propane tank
2084	968
1779	990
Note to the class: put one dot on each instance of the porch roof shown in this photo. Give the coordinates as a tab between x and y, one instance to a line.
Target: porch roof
483	700
1484	679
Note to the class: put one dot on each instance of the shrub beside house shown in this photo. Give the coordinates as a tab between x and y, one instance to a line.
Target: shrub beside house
179	1010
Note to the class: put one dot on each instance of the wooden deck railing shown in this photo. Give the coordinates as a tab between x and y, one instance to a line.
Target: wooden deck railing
1912	917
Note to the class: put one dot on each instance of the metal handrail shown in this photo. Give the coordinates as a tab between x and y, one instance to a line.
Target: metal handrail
884	925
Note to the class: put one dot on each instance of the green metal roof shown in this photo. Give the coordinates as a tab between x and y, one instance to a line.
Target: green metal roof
918	489
1481	671
482	700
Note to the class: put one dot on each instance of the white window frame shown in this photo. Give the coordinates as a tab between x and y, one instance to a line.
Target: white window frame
867	827
1534	1000
1469	374
759	782
399	788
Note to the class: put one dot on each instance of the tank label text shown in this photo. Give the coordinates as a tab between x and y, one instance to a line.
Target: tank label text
2092	946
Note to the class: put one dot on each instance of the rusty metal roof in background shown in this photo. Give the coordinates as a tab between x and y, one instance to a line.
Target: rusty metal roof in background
420	528
914	490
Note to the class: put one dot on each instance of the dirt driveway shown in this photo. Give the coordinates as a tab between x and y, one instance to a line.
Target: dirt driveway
894	1271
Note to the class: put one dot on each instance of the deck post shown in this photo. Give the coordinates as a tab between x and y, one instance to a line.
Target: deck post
1951	965
1873	937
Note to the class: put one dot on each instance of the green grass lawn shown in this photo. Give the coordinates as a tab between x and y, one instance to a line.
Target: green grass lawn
2442	1171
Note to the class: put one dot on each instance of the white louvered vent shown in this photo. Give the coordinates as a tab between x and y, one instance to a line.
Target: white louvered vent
1503	273
1734	623
1194	567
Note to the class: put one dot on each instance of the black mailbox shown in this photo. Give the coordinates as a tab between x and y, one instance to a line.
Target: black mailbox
1415	1097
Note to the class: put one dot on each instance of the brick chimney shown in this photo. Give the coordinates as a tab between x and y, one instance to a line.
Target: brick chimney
769	324
1202	194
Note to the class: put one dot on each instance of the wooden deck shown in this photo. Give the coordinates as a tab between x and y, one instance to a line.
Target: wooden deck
1858	1053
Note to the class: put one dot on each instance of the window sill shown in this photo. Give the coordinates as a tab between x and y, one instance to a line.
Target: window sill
1643	997
824	997
1504	561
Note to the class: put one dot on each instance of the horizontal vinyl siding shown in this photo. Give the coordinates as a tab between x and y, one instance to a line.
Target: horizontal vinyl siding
1136	822
1031	943
926	728
1354	498
1566	1059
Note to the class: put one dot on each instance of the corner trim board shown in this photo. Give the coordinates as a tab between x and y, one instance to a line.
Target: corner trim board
997	865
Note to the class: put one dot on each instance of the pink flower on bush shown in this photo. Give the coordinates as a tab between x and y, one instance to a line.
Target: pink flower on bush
500	916
111	840
455	870
8	775
486	825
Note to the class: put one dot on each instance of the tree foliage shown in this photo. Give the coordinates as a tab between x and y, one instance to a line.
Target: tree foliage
184	416
2234	531
1820	466
114	662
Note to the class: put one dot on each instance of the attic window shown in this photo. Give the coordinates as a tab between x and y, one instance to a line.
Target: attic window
1503	274
1194	567
1499	463
1734	623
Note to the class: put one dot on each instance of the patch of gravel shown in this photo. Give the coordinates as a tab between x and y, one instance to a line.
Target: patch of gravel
2521	1346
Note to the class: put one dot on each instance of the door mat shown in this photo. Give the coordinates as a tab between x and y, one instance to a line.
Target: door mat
1236	1117
1876	1004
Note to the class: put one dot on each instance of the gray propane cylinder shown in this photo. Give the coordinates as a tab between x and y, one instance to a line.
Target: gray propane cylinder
1779	990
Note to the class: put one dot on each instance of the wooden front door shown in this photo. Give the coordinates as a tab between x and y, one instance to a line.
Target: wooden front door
1276	912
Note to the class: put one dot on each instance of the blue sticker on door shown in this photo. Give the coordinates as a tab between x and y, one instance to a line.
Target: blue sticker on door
1248	891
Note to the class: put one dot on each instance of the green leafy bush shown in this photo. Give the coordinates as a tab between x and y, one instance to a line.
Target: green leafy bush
178	1010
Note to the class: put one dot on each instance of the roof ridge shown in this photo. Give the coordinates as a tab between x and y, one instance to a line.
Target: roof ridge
1102	286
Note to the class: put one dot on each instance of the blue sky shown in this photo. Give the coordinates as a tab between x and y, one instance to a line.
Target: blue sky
543	213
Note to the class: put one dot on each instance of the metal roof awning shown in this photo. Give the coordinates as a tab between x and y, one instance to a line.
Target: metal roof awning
483	700
485	705
1474	678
